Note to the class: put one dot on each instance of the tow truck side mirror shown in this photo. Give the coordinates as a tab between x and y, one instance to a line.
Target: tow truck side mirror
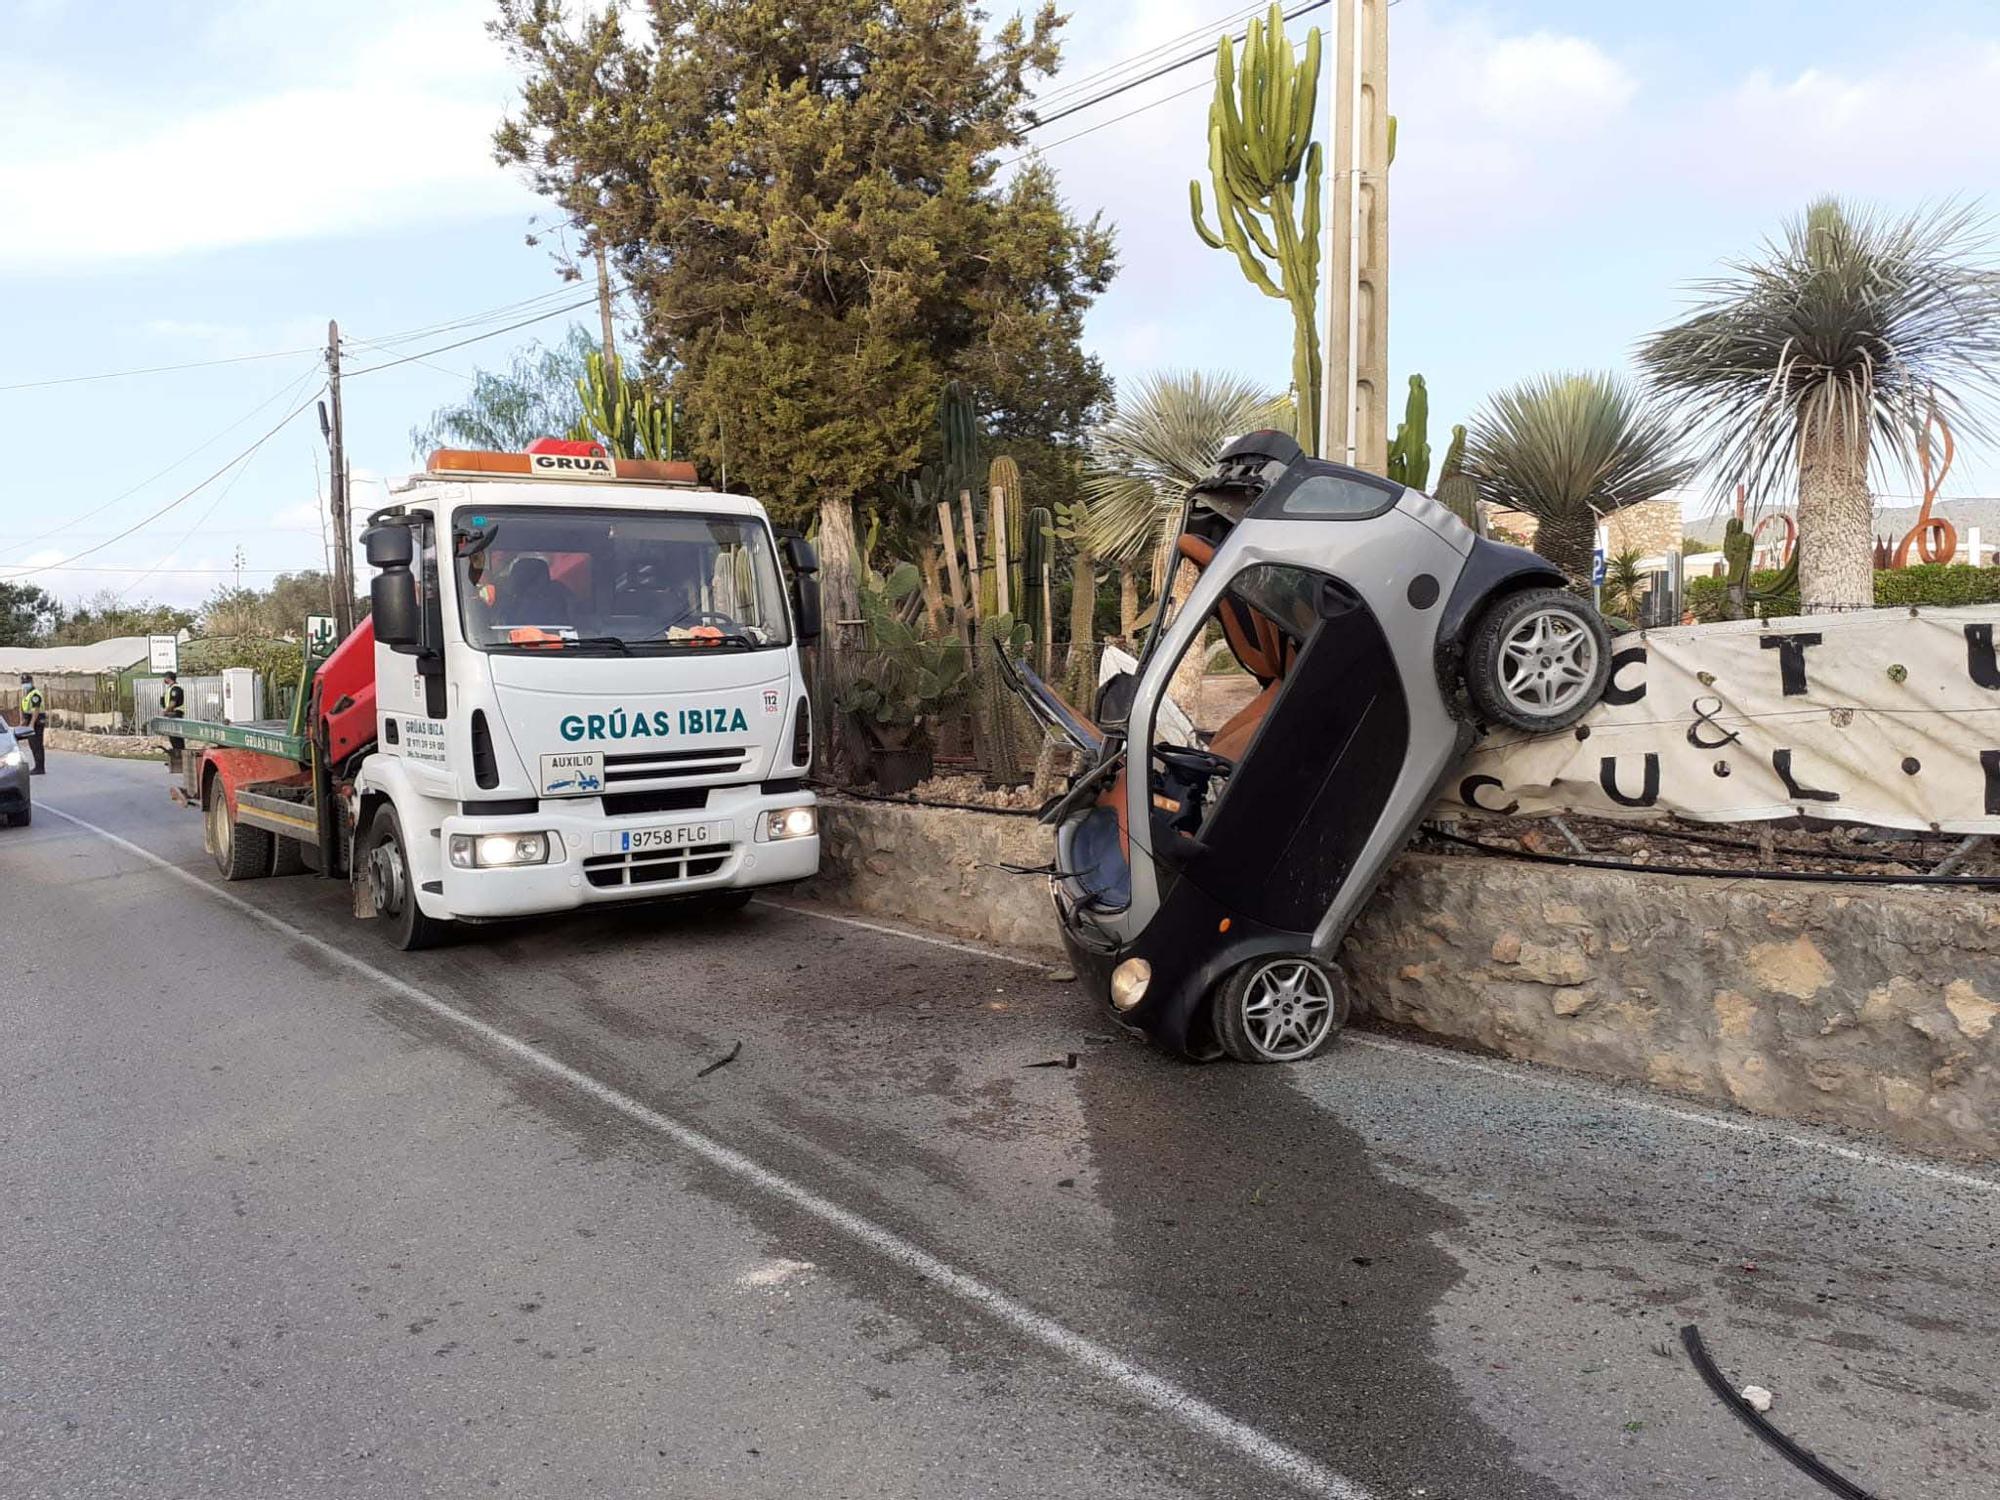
804	559
392	592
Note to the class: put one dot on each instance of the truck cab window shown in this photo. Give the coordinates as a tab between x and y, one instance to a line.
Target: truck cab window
626	583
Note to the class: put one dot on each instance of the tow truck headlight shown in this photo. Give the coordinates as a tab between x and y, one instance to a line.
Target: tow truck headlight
791	823
1129	981
497	851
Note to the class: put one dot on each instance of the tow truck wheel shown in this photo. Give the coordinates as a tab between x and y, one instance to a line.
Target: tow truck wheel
387	867
1280	1009
1538	661
241	853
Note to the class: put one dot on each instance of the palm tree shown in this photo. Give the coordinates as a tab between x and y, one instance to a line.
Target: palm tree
1158	442
1567	449
1838	337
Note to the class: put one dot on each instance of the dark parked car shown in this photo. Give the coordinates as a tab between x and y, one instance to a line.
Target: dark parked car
16	805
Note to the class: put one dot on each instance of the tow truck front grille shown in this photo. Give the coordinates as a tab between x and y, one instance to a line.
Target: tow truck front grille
656	867
654	765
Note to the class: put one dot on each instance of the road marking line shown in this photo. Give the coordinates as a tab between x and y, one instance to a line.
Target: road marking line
1045	964
1513	1072
1519	1073
1171	1399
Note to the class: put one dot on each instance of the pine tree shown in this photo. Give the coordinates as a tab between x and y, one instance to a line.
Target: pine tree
803	202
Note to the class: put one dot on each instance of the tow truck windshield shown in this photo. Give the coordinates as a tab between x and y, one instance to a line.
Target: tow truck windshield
616	582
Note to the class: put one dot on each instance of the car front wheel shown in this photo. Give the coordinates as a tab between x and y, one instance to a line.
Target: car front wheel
1280	1009
1538	661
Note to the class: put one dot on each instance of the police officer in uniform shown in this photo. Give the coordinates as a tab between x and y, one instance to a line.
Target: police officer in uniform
173	705
35	717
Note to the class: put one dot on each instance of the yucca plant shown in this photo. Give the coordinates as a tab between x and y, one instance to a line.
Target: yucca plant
1797	364
1162	438
1566	449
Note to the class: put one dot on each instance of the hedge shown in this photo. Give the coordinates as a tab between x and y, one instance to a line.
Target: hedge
1938	585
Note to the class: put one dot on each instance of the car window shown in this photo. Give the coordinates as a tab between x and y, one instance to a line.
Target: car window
1334	497
6	739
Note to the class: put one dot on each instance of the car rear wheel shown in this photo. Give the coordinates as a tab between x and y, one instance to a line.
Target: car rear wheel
241	853
1538	661
1281	1009
391	889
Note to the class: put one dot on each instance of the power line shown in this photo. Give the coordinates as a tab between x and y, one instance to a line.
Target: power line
180	499
1160	72
470	320
476	338
199	364
1082	82
1116	119
281	393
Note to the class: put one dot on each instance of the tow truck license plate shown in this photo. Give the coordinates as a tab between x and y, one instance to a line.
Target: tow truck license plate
673	836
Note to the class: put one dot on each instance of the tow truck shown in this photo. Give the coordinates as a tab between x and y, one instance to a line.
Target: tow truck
578	683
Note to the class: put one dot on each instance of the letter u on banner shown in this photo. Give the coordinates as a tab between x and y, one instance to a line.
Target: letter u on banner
1607	777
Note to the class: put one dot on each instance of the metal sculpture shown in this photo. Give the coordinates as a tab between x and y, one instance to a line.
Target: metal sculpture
1936	539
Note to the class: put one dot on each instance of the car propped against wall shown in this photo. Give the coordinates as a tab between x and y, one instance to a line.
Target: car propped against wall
1203	889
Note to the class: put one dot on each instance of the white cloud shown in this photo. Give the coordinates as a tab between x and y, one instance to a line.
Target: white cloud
1544	82
346	125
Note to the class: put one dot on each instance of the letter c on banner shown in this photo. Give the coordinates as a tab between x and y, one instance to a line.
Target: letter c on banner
1613	693
1468	793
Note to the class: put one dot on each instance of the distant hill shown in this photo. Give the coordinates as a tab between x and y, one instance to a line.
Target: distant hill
1894	520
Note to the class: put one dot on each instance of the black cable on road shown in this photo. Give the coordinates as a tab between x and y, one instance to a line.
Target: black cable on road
1802	1459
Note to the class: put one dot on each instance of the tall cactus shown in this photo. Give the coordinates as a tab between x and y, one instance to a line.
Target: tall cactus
958	454
1454	456
620	413
1003	493
1738	546
1410	453
1038	530
1260	147
1458	494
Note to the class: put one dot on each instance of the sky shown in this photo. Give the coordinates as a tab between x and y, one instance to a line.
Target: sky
198	180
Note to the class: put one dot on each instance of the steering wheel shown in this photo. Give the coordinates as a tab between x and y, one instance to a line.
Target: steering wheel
1197	765
729	623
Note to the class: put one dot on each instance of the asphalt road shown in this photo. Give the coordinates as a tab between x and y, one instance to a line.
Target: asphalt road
283	1213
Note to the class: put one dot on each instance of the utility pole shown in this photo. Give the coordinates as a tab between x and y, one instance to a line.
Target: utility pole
343	532
1354	424
604	300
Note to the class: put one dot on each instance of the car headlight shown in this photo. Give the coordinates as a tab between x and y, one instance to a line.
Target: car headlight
13	760
791	823
494	851
1129	981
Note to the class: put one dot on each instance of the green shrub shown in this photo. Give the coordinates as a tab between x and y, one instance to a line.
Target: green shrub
1935	585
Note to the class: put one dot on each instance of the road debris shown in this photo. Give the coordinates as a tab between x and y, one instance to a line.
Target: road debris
721	1062
1757	1396
1801	1458
1067	1060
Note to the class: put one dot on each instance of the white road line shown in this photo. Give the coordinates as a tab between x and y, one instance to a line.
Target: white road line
1172	1400
1044	964
1520	1073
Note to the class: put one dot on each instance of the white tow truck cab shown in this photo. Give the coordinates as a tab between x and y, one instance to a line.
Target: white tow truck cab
587	689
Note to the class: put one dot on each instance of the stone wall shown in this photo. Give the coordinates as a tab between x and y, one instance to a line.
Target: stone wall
1871	1007
940	869
1866	1006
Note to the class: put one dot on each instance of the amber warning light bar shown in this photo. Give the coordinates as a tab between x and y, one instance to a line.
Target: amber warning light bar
557	458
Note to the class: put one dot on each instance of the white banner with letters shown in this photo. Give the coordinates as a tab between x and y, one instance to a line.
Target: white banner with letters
1889	717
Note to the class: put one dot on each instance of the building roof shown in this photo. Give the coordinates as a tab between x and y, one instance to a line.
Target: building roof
114	655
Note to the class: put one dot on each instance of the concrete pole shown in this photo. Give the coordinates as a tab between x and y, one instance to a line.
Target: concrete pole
1354	425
